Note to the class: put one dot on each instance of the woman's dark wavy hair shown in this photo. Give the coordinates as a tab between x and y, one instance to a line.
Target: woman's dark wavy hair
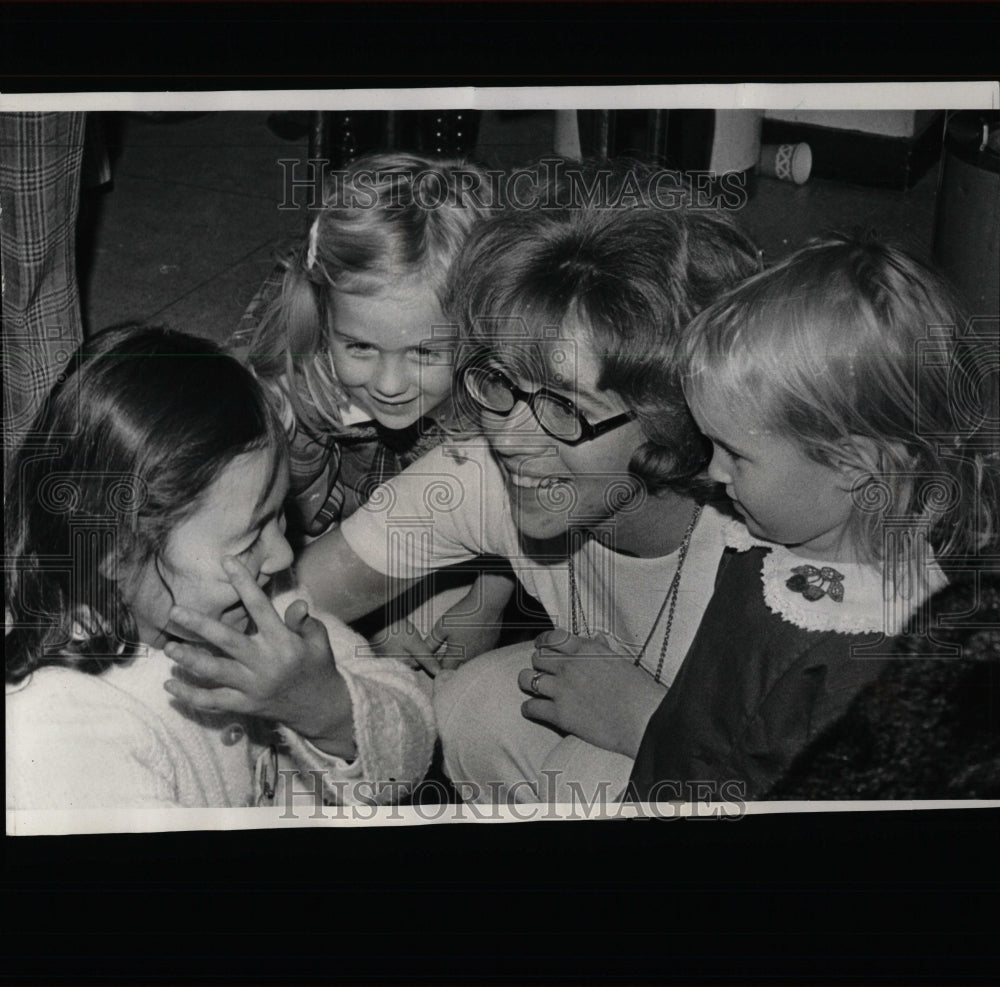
123	450
633	275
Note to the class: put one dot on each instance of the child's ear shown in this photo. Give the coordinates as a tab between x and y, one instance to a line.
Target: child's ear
863	457
118	570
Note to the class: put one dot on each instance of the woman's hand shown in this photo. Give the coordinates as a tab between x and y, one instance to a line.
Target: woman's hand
582	687
285	672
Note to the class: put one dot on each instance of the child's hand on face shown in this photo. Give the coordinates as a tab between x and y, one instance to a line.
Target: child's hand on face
285	672
581	686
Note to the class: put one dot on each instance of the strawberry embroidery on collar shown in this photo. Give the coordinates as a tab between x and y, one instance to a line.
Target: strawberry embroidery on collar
850	598
815	583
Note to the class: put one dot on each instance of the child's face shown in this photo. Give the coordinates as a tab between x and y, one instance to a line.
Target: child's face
239	516
385	356
782	495
552	485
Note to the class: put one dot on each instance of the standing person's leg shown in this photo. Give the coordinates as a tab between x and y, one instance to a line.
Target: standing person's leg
40	159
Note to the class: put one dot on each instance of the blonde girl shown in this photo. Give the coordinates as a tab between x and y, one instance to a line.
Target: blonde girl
352	342
847	407
350	336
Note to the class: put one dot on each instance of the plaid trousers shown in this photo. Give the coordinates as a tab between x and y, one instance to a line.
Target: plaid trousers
40	159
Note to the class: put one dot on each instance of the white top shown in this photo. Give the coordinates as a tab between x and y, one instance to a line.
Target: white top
452	505
119	740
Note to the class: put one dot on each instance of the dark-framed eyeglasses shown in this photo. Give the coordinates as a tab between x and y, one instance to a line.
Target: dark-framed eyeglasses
493	391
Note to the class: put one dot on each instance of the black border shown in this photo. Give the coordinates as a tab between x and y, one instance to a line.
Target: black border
904	896
132	44
847	897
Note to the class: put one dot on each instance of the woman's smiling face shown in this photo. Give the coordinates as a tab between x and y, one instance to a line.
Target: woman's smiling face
553	485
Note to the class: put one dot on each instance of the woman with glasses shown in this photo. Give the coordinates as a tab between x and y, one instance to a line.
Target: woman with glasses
583	475
590	469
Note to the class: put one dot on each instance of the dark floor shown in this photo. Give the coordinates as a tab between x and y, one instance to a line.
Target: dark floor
186	231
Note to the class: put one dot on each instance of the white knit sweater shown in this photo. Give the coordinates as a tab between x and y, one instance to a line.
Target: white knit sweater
119	740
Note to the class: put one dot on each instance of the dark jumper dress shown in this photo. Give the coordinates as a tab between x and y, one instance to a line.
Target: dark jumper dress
753	690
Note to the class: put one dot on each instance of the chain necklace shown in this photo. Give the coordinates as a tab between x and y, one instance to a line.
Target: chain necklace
669	601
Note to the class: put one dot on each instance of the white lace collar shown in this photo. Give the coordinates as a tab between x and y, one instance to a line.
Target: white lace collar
867	606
